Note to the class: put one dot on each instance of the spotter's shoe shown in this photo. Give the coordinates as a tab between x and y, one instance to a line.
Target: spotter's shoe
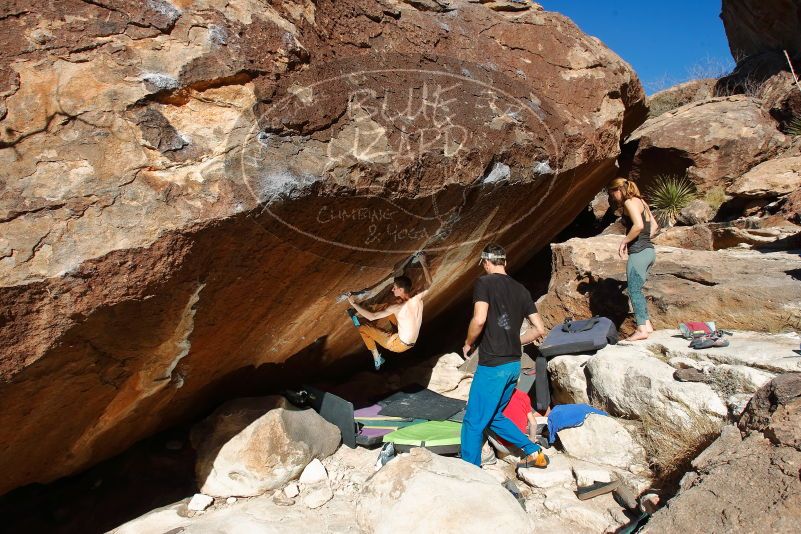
538	460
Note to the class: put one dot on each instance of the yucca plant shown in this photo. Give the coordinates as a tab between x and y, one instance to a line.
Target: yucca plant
668	196
794	126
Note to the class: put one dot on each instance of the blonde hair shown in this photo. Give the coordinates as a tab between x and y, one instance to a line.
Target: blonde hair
629	190
627	187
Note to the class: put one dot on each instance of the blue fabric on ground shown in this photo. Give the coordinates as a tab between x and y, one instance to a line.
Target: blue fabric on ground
490	392
568	416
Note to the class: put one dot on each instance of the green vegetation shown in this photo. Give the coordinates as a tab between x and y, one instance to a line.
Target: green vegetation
668	196
664	103
794	126
715	197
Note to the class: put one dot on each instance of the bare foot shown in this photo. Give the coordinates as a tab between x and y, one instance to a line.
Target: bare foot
638	335
649	327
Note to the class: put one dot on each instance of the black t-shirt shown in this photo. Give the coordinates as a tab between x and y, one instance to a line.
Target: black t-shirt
509	303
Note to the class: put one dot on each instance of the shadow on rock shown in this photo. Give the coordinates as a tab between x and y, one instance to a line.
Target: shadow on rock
607	298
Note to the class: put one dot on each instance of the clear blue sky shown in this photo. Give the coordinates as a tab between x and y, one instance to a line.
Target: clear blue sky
666	42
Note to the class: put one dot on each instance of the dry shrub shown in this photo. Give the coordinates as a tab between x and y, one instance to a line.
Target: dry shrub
663	104
727	383
747	85
671	444
715	197
685	93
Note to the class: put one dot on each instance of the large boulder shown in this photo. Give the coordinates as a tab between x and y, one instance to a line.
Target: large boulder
772	407
257	515
780	95
711	142
768	352
770	179
766	76
751	360
589	279
441	374
437	494
752	232
253	445
755	26
791	209
189	187
712	498
696	212
628	381
603	440
696	237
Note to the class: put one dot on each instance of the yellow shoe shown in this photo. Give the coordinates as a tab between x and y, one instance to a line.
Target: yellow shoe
538	460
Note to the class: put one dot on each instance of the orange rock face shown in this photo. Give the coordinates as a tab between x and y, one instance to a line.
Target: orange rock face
190	186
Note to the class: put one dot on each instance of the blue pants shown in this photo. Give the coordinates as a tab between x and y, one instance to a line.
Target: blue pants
489	394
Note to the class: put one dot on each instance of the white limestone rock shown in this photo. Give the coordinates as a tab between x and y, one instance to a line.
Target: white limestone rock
568	381
314	473
442	495
602	440
199	502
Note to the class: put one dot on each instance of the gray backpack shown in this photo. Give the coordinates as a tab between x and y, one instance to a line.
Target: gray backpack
579	337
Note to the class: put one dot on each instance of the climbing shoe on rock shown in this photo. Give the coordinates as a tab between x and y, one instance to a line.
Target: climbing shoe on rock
378	362
715	339
538	460
702	343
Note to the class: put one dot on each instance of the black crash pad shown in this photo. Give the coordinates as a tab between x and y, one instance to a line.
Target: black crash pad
421	403
336	411
458	416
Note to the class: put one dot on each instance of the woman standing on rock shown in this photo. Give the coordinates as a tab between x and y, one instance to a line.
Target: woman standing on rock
636	244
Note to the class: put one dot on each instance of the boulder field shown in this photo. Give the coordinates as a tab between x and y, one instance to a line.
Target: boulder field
656	423
190	187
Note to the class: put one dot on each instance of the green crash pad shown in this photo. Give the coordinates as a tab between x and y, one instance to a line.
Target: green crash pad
441	437
394	424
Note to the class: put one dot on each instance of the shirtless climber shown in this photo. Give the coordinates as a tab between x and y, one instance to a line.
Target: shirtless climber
406	315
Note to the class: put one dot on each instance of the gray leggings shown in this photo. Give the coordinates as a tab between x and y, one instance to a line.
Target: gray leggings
637	273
